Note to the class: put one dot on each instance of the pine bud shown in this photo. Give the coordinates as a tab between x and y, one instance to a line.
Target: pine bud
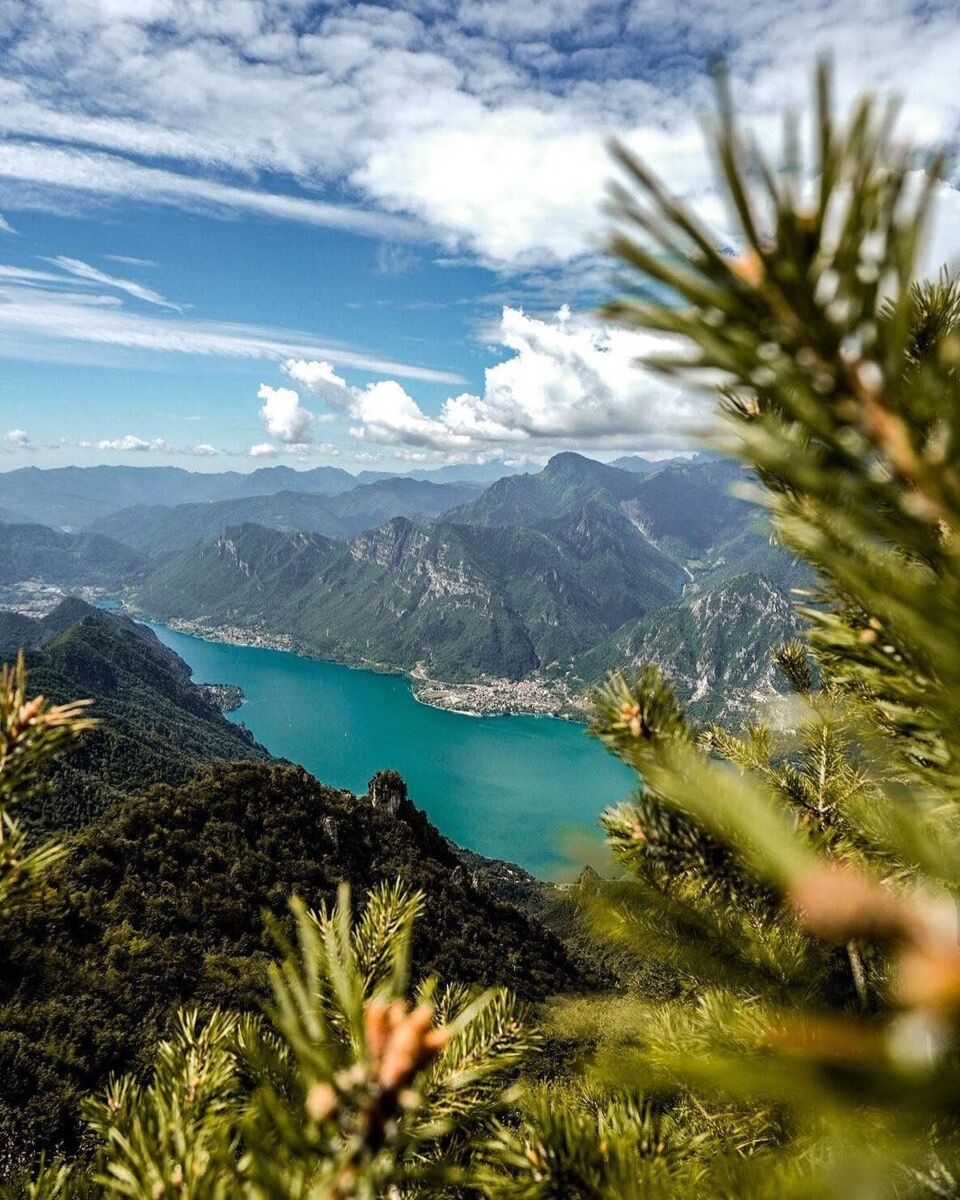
840	903
321	1102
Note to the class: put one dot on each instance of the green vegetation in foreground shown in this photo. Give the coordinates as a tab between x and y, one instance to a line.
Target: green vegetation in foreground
161	901
788	894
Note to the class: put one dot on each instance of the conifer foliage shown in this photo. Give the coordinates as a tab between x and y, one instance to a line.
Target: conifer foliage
799	881
32	733
358	1082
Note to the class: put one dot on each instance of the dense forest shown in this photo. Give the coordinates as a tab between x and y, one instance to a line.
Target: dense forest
156	725
162	901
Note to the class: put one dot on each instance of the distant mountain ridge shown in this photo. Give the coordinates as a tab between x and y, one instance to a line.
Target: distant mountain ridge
159	529
72	497
32	551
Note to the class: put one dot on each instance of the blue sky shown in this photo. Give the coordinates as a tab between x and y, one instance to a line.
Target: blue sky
275	230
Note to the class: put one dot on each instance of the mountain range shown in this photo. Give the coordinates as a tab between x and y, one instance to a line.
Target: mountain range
158	529
552	577
547	576
71	497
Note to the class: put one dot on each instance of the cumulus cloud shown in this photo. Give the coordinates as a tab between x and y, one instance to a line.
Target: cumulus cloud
284	416
320	379
262	450
202	450
130	442
17	439
567	381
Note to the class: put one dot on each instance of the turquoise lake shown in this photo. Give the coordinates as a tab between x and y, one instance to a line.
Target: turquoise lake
526	789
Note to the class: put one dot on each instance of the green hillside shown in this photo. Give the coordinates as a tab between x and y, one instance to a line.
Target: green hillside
532	578
157	726
463	599
35	552
162	901
715	646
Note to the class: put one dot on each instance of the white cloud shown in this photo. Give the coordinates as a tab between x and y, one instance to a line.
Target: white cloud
284	416
82	270
263	450
17	439
568	382
321	380
484	119
106	175
34	305
393	259
129	442
388	415
130	260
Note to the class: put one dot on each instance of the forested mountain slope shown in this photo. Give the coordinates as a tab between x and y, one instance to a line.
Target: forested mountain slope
35	552
528	579
548	576
462	599
161	902
157	726
715	646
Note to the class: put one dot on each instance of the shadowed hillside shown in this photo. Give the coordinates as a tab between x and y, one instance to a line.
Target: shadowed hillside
157	726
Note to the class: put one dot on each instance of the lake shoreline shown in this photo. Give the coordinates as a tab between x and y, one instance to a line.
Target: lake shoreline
523	791
488	697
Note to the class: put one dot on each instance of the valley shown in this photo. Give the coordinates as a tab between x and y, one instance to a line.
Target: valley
511	596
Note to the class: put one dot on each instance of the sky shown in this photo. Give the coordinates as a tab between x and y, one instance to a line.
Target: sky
237	232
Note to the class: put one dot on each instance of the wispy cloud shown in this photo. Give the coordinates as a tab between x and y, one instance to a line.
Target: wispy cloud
130	261
35	311
82	270
111	177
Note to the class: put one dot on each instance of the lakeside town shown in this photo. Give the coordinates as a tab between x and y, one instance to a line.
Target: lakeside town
487	697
